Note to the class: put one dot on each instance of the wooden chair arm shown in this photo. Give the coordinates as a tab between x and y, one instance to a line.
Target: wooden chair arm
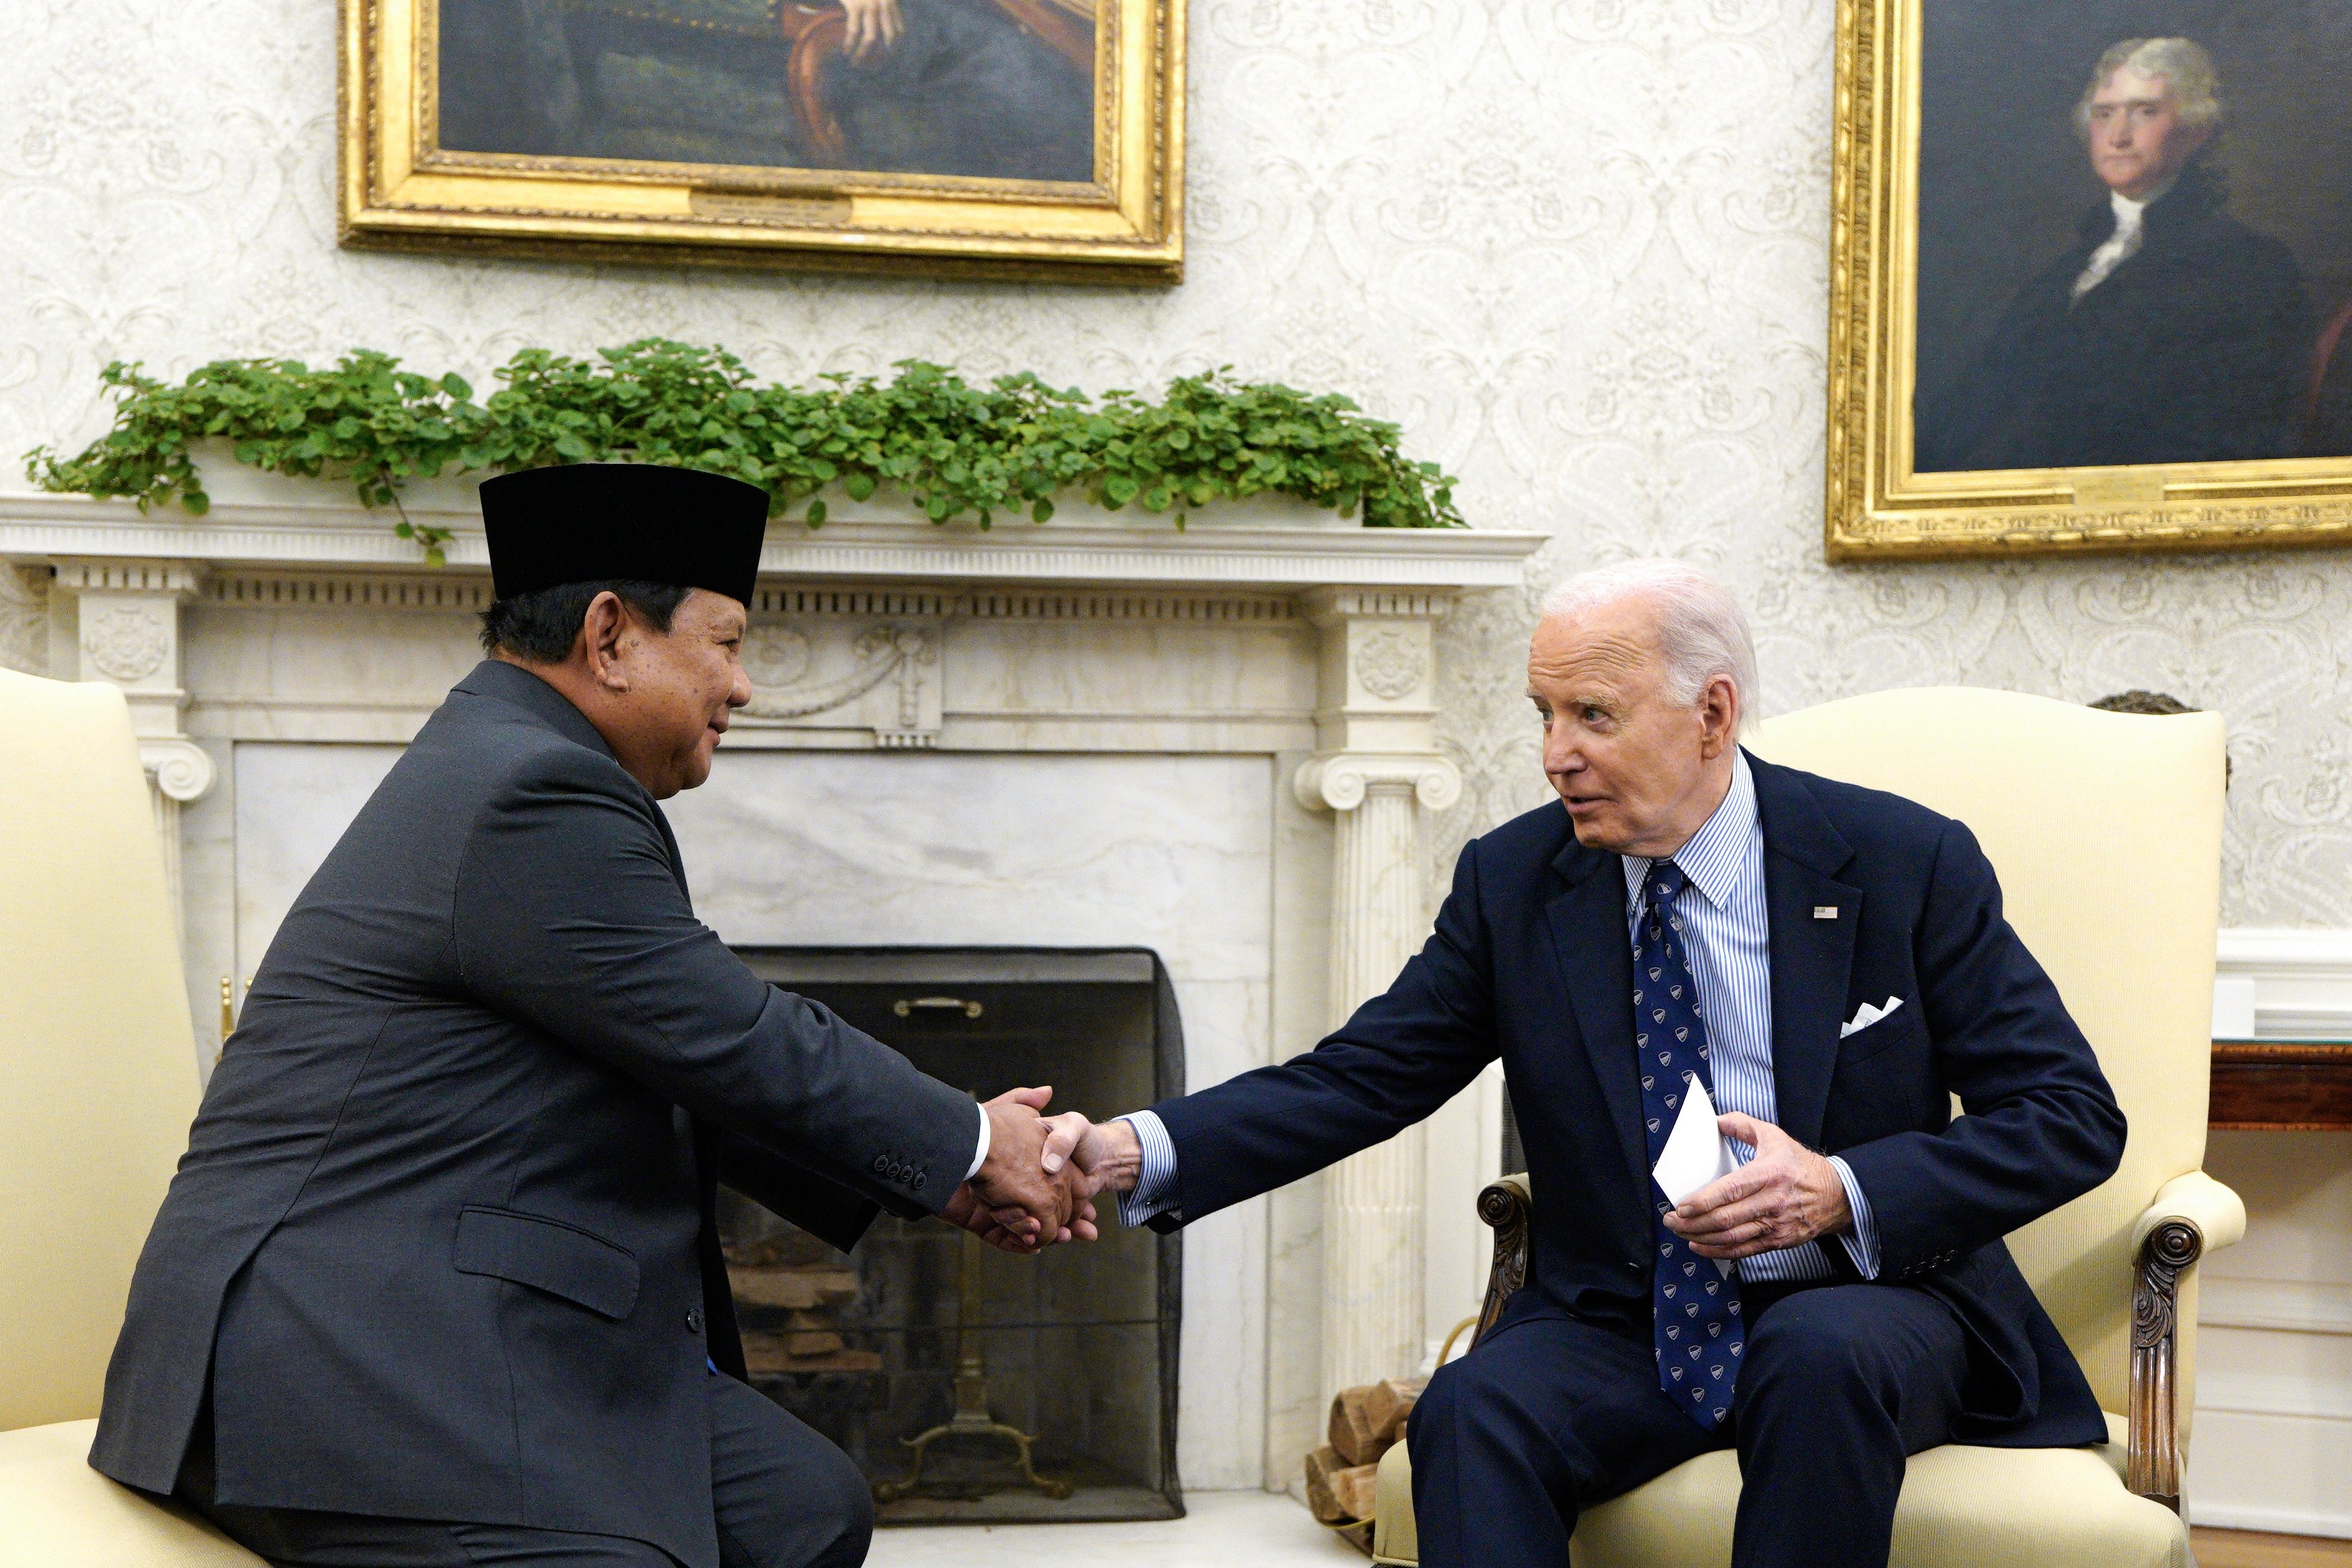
2174	1240
1509	1206
2192	1215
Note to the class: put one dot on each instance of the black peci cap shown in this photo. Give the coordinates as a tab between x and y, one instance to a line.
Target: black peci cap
586	522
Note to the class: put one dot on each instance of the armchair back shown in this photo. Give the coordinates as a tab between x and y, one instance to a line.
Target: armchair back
2105	829
98	1067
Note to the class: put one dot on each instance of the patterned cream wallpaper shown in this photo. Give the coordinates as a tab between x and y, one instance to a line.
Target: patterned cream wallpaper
1576	247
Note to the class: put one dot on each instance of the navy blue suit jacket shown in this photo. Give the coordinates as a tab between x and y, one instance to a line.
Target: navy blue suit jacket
1531	960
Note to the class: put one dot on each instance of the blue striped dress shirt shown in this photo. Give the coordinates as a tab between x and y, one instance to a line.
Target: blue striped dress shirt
1729	934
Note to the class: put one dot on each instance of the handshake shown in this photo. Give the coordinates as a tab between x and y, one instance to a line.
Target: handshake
1038	1183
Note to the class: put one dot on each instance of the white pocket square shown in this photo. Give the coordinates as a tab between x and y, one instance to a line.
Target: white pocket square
1867	1014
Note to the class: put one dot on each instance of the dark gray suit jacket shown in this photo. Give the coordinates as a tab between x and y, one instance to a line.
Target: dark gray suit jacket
443	1237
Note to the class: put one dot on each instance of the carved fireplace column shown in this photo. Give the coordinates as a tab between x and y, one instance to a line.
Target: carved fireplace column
130	635
1378	769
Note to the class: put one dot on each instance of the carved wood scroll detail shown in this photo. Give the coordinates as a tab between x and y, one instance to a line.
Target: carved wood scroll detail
2152	1461
1512	1214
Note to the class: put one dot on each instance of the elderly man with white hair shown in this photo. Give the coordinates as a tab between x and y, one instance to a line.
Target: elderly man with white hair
1689	930
2170	332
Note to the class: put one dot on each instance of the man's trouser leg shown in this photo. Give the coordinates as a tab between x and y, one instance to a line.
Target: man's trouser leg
1838	1386
1544	1418
784	1497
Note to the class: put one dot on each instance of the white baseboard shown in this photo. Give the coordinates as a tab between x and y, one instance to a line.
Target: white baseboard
2271	1520
2294	1306
2300	981
2303	1399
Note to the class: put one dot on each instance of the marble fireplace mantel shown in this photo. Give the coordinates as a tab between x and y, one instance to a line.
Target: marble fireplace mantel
1265	642
1275	545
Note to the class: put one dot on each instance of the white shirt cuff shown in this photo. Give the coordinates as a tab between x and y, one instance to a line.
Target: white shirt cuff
1861	1241
979	1158
1155	1183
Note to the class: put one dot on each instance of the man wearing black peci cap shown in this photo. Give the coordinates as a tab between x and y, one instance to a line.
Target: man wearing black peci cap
438	1281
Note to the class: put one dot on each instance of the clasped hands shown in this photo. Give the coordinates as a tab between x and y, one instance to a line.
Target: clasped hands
1030	1193
1785	1196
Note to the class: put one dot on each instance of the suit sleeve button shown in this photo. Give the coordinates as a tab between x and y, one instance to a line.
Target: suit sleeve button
881	1164
919	1179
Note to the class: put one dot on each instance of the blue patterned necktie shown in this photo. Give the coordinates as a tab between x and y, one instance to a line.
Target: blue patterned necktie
1694	1307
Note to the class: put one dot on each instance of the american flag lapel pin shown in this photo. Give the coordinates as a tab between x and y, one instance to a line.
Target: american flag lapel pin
1825	912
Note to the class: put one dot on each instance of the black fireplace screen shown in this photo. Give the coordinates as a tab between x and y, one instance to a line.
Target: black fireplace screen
969	1386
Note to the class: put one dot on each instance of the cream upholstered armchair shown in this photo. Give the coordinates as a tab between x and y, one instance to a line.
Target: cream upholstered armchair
2105	829
98	1082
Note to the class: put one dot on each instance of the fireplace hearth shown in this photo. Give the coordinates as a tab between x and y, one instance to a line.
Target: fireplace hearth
972	1387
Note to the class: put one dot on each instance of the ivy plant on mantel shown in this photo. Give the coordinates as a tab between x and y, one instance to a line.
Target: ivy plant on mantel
954	449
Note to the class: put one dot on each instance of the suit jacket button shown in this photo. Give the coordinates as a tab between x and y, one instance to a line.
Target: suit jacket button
694	1320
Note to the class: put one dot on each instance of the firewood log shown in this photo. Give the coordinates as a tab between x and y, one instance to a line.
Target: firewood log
1353	1488
1350	1428
1387	1404
1321	1465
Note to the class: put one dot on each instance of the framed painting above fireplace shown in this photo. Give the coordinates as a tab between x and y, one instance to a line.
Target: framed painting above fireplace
1018	138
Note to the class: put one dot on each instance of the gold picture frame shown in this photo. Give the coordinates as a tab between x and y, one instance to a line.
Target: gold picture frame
646	191
1879	506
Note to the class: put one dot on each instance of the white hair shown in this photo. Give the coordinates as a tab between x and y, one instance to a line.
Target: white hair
1701	634
2186	69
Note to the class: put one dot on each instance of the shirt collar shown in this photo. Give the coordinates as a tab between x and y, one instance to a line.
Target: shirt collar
1716	855
2128	212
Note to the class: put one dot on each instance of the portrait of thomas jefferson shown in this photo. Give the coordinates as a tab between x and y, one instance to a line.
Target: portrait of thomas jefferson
2171	331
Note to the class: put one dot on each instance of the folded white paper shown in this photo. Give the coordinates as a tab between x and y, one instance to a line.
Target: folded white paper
1866	1015
1696	1154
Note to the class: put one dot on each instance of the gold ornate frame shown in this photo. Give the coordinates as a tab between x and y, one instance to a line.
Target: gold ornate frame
1878	508
401	192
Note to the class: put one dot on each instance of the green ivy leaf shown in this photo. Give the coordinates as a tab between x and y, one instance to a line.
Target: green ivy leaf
955	447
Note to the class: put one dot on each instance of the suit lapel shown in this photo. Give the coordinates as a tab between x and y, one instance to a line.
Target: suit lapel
1813	955
1596	965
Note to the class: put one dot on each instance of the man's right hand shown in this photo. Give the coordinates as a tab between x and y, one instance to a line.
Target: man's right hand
1110	1154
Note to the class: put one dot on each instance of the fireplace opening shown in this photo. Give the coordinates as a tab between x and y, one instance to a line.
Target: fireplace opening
971	1387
